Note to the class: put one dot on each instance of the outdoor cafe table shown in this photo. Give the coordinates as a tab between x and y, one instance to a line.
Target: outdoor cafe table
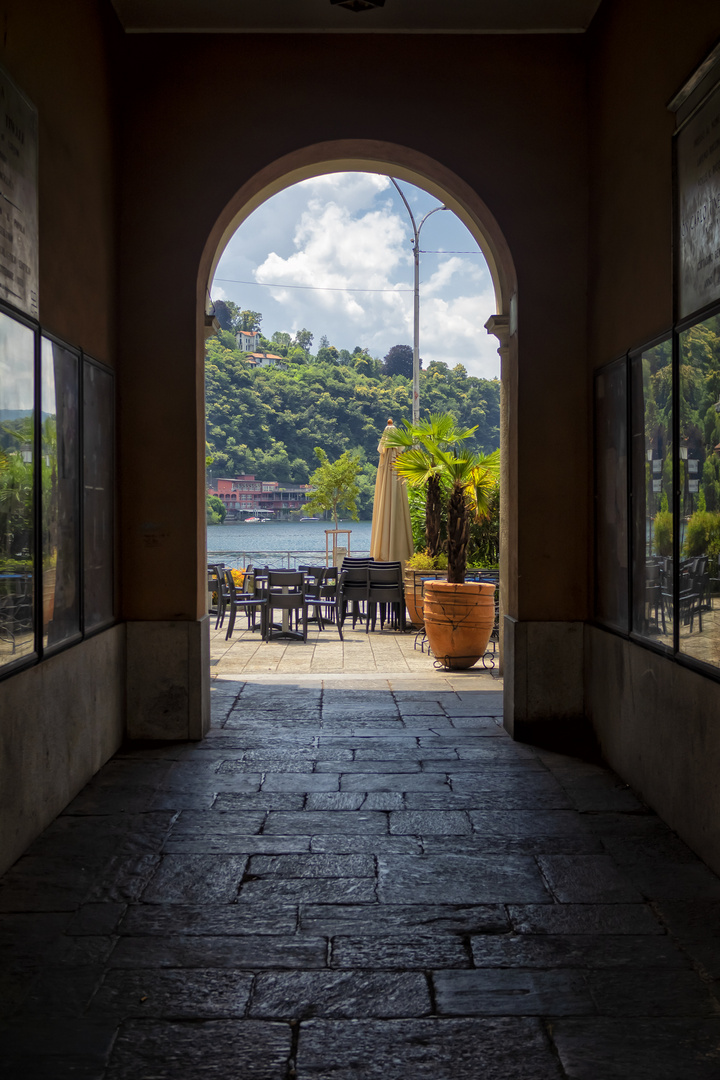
285	630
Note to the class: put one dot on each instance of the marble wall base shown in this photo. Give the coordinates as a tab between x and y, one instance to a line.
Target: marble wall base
61	721
657	725
544	699
168	679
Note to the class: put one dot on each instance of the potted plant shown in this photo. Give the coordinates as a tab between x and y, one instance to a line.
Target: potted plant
421	466
419	569
459	615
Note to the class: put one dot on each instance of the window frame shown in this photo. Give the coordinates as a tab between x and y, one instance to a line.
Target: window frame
41	651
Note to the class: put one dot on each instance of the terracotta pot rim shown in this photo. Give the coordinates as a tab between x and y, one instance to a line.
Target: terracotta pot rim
465	586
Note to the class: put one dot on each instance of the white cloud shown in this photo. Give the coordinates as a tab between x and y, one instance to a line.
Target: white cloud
349	231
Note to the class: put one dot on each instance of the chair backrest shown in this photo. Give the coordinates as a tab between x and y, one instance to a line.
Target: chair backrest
230	583
314	578
286	579
351	562
384	575
354	583
331	577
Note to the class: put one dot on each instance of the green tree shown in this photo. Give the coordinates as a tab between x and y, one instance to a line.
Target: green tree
249	320
327	354
335	484
215	510
399	361
304	339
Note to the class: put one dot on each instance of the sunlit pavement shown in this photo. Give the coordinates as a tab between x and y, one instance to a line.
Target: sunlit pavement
387	651
358	875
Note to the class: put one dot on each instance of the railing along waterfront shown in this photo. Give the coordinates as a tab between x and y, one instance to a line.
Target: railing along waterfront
289	559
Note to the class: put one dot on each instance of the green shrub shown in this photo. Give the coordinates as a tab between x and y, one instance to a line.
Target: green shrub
702	528
663	533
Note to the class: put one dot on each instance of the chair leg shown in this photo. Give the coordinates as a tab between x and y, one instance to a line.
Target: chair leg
231	621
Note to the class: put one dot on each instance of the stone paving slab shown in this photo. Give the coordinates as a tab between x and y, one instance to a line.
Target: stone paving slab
644	1049
207	920
358	875
594	919
416	953
352	994
174	993
203	951
216	1048
432	1049
520	992
397	919
459	879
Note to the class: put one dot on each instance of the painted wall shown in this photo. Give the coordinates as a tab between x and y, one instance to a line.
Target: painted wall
657	722
60	721
506	115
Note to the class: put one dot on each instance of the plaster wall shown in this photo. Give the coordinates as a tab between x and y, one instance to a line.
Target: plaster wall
61	721
656	721
505	115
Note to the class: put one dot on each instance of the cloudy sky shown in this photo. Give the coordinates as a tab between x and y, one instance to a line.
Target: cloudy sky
334	255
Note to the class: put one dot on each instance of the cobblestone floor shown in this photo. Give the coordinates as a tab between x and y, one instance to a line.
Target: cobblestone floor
358	878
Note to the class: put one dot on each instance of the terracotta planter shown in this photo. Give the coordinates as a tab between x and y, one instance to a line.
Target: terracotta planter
414	581
459	620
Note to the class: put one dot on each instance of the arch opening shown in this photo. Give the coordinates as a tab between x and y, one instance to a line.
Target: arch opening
404	164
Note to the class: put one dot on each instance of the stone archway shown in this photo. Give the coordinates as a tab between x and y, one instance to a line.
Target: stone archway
351	155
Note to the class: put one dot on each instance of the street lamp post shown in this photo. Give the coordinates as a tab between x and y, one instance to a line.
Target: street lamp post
416	299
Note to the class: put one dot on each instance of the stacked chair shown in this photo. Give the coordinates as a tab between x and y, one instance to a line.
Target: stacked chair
354	580
386	591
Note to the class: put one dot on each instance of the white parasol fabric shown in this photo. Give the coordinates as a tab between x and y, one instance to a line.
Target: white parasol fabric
391	535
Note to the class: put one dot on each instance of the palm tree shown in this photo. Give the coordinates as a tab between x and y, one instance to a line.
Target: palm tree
472	478
422	466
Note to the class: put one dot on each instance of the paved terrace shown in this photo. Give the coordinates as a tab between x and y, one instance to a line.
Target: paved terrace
358	877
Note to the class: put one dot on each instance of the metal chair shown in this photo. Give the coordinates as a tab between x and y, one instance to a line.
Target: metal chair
322	592
354	583
385	588
285	591
249	602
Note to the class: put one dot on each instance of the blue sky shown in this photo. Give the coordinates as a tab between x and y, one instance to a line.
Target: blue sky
346	240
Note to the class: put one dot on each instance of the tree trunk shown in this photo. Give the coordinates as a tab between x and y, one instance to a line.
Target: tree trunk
458	535
432	516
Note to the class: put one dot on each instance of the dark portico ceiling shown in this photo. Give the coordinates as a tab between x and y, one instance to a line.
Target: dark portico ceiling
319	16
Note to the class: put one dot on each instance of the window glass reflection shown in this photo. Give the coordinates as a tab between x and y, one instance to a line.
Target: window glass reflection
60	495
699	484
17	412
652	465
611	535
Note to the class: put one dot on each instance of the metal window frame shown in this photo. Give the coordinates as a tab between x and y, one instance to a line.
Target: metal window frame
40	652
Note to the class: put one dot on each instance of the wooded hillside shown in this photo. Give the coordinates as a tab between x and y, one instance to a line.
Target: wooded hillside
268	422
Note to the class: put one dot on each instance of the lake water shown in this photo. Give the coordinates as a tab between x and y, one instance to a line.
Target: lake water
282	543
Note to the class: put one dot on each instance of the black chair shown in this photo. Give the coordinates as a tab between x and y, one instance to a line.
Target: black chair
353	589
322	591
386	590
285	592
250	603
219	586
653	597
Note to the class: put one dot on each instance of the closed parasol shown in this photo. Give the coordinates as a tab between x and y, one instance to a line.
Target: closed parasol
391	536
